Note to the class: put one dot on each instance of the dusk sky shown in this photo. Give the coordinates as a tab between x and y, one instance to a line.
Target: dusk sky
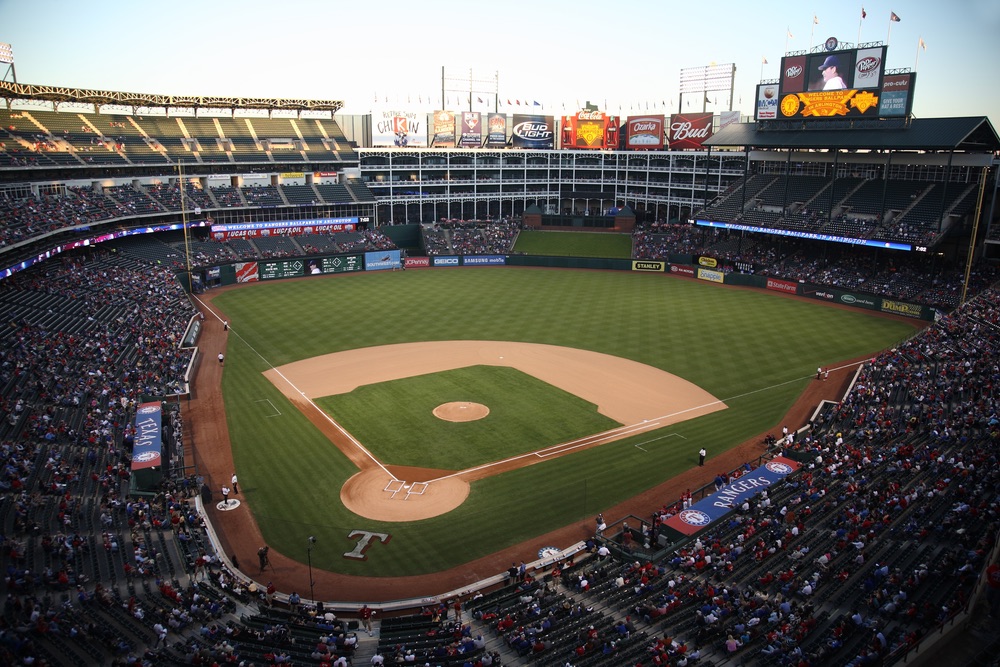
624	57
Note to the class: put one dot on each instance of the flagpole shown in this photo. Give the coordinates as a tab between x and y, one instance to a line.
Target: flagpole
889	33
811	32
917	59
860	21
788	33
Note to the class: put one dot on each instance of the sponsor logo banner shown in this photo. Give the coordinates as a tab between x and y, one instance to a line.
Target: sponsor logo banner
895	100
292	174
720	503
709	262
767	102
445	260
902	308
393	127
648	265
689	130
382	260
416	262
481	260
868	67
782	286
246	272
531	131
793	74
146	448
728	118
712	276
645	131
496	125
682	270
444	129
472	129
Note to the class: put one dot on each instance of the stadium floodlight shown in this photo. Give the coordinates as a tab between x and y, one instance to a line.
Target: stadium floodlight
707	79
6	53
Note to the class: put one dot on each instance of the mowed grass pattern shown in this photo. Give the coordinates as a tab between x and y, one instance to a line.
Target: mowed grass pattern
395	421
754	350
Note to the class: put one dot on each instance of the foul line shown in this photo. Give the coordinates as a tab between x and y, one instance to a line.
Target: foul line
308	400
621	431
276	410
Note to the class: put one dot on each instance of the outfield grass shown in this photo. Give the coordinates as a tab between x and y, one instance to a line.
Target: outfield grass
752	349
575	244
395	422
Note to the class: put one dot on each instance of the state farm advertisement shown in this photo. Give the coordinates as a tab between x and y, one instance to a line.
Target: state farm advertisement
645	132
689	130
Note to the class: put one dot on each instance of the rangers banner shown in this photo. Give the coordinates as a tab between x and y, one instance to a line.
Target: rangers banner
444	129
472	129
645	132
496	123
146	448
531	131
398	128
728	118
700	515
689	130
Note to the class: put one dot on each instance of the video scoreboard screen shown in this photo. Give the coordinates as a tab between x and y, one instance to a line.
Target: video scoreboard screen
836	83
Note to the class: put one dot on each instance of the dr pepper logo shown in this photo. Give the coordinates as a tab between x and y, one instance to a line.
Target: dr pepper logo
868	65
793	72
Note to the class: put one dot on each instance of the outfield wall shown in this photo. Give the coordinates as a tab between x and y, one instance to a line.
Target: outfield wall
685	266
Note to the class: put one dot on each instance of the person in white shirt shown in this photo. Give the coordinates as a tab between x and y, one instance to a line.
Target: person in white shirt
831	77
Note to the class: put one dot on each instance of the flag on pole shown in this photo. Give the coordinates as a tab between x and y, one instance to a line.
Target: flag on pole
864	14
536	103
894	17
790	35
508	101
479	99
923	44
763	60
815	20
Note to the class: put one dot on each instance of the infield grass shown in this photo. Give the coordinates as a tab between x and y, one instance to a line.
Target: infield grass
394	420
754	350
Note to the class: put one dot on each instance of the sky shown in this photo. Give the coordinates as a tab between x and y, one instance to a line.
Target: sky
625	57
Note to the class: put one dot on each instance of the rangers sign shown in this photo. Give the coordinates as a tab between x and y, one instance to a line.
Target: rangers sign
689	130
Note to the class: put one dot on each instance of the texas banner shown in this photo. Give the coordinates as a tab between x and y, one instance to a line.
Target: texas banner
700	515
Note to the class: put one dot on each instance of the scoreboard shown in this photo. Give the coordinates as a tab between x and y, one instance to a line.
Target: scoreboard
289	268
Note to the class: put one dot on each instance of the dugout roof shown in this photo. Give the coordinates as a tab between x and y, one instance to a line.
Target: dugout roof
972	134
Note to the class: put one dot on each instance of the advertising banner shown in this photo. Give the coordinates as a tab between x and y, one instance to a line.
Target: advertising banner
897	97
645	132
472	129
689	130
785	286
793	74
868	66
711	508
496	124
147	446
533	131
444	129
285	268
285	228
711	276
590	129
383	260
767	102
728	118
445	260
246	272
416	262
682	270
648	265
393	127
484	260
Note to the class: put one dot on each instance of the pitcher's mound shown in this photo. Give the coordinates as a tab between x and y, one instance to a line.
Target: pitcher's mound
374	494
461	411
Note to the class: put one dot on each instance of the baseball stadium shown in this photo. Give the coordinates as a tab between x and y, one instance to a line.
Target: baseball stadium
284	385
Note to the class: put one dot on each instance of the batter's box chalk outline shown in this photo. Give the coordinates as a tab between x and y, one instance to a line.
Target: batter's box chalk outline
416	489
394	486
638	445
277	412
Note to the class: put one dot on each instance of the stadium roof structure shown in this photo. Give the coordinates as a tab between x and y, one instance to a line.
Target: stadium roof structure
57	94
972	134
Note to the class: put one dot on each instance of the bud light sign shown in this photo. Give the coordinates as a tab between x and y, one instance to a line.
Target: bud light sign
689	130
533	131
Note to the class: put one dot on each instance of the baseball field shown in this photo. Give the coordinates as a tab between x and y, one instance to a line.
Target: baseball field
449	414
